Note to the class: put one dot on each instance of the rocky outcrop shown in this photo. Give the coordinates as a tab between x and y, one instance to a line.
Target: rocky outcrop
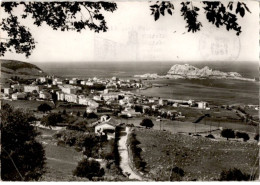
187	71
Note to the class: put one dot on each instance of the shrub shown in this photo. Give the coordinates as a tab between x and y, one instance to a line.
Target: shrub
88	168
233	175
228	133
177	174
210	136
243	135
44	107
52	119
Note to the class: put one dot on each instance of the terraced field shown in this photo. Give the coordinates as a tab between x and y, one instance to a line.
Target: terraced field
201	158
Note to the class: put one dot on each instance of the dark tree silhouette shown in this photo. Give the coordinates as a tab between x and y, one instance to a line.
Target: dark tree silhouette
147	123
22	157
44	107
228	133
216	13
62	16
243	135
89	169
76	16
233	175
52	119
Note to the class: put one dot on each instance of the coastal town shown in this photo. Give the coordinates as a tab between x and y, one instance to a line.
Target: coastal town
154	91
110	107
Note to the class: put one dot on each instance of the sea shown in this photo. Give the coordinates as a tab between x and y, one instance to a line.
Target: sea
129	69
217	91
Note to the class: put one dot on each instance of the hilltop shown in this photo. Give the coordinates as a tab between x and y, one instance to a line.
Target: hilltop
17	68
187	71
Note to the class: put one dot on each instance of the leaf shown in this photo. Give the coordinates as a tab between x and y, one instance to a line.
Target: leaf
162	10
247	9
156	15
169	11
242	12
231	7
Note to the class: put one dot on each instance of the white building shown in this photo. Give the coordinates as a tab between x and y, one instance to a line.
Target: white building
71	98
83	100
83	82
42	79
45	95
8	91
97	98
89	83
202	105
107	126
73	81
69	89
18	96
60	96
31	88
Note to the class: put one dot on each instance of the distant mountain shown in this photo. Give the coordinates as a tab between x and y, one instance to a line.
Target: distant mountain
187	71
14	67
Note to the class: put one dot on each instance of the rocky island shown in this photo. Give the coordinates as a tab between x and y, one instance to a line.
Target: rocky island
187	71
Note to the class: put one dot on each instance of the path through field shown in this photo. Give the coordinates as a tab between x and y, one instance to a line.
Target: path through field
124	162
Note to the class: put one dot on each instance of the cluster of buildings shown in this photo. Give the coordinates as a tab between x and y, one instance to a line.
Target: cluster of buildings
114	94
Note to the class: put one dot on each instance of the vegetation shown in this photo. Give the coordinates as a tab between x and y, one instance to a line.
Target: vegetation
44	107
233	175
77	16
243	135
52	119
88	168
256	137
15	65
86	142
228	133
162	150
136	152
177	174
22	157
147	123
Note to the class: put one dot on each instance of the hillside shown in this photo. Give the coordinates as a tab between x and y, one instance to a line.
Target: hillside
17	68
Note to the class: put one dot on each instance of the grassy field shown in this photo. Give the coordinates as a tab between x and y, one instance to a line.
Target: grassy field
61	161
200	158
214	91
189	127
26	104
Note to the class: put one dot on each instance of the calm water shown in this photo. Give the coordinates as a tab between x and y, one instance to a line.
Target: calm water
129	69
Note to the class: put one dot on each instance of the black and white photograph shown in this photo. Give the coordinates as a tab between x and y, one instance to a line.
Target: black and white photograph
128	90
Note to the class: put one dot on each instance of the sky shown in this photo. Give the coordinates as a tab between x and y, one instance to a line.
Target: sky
133	35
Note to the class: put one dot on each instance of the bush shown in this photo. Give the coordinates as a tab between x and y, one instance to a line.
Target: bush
52	119
210	136
243	135
256	137
136	152
88	168
177	174
228	133
44	107
233	175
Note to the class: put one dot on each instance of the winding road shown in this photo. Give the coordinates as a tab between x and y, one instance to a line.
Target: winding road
125	161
